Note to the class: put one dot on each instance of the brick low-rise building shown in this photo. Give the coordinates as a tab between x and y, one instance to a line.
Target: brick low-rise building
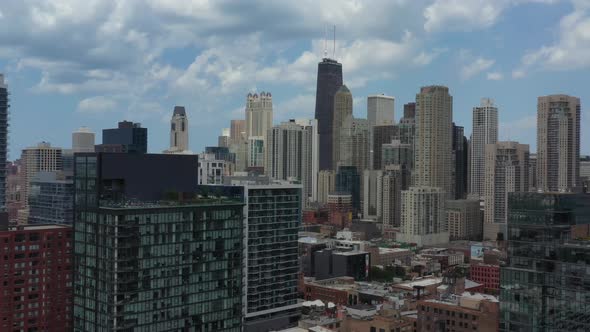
460	313
36	288
486	274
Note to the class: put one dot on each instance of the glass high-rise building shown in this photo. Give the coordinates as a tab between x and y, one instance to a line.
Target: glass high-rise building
272	270
149	255
545	284
51	200
328	82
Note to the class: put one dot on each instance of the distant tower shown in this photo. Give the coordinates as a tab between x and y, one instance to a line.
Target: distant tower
342	111
329	80
258	114
83	140
506	171
3	146
558	143
179	130
434	136
485	131
380	112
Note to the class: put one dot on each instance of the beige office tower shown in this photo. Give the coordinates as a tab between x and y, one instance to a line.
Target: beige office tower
484	131
83	140
353	144
223	140
178	131
40	158
464	219
558	143
292	154
380	112
423	218
326	185
433	143
237	131
258	114
342	112
506	171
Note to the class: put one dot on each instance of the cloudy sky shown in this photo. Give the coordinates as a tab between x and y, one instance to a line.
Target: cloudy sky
72	63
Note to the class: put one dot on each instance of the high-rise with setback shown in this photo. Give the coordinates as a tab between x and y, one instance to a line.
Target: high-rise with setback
558	143
485	131
329	80
380	112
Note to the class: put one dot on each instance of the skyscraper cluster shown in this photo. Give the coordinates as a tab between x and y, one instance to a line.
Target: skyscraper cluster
132	240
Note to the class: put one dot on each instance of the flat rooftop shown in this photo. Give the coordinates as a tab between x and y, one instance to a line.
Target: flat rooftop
132	205
37	227
421	282
350	253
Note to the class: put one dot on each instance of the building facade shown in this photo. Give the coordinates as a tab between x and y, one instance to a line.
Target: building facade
179	142
150	254
83	140
558	143
353	144
381	135
543	285
292	154
326	185
423	219
460	162
380	112
42	157
464	219
212	170
128	137
272	269
51	200
484	131
329	80
258	114
433	144
342	112
506	171
4	112
37	278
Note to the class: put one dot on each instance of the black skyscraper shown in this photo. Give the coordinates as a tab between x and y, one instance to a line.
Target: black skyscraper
329	81
4	105
129	137
460	148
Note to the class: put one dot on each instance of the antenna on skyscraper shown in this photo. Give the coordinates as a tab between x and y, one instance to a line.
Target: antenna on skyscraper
334	49
325	40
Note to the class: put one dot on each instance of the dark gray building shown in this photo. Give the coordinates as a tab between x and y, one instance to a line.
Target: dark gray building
4	105
330	263
544	285
460	149
382	135
273	221
51	199
128	137
348	181
329	80
149	254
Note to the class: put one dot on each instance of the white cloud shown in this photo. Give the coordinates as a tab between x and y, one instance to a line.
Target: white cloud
521	130
462	14
97	104
468	15
518	73
477	66
495	76
571	50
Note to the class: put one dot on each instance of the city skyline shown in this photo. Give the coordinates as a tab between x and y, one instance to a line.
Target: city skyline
86	88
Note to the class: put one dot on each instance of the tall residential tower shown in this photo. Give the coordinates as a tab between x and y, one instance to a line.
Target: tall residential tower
485	131
558	143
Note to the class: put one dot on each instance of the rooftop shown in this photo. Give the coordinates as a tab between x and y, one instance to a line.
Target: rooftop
37	227
420	283
350	253
167	204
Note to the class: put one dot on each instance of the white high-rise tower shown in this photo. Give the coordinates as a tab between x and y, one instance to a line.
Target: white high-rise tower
485	131
83	140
